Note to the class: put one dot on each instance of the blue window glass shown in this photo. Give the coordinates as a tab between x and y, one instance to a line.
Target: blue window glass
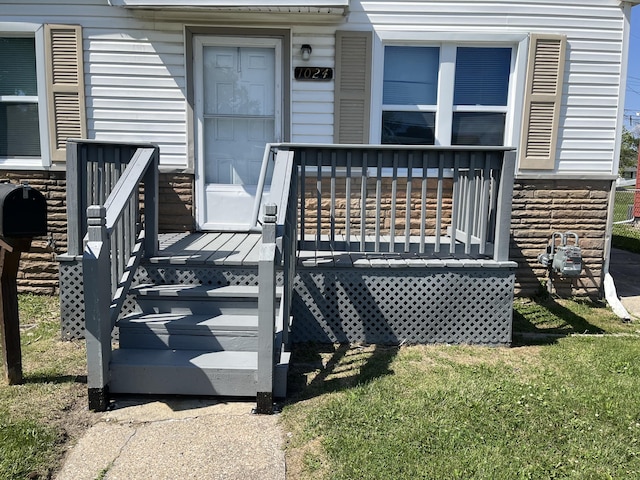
19	129
408	128
482	76
410	75
478	128
18	66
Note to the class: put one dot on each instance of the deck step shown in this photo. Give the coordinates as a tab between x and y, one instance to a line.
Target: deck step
185	331
190	372
198	299
180	290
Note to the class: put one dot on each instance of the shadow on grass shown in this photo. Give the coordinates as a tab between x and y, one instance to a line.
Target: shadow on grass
324	368
544	320
55	379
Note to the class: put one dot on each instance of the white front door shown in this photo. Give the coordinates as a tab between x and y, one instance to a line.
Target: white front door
238	111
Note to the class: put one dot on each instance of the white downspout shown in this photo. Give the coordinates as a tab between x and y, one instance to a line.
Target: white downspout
610	294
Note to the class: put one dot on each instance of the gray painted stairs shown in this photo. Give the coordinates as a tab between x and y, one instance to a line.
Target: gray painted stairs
192	340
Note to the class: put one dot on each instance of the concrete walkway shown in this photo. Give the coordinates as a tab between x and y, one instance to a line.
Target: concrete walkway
178	439
624	267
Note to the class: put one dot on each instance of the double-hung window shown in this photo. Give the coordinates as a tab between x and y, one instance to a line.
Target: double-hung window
446	94
19	111
41	93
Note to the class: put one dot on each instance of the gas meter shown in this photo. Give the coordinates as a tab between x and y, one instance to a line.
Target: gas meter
563	258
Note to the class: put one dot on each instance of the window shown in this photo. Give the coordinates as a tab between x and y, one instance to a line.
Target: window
41	93
19	115
427	101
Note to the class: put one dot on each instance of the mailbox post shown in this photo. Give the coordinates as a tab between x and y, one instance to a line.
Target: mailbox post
23	215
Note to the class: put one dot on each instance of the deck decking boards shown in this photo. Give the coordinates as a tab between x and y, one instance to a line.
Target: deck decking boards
243	249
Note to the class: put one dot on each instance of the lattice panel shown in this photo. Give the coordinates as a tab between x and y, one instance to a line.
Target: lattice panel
402	306
71	300
388	306
72	291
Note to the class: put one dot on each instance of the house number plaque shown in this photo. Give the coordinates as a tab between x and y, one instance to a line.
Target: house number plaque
313	73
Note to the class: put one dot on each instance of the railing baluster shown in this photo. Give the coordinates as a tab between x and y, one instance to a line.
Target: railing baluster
423	202
407	216
455	199
347	199
394	194
439	203
471	204
303	190
363	202
484	203
319	199
378	203
332	212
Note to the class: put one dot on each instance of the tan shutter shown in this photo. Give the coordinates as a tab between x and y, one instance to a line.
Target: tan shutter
353	87
65	84
543	96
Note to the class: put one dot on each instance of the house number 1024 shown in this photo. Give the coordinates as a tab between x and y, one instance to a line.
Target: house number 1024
313	73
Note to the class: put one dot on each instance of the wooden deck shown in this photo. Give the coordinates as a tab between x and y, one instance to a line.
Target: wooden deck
242	249
221	249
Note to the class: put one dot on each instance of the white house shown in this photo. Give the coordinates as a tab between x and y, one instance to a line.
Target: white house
552	85
211	82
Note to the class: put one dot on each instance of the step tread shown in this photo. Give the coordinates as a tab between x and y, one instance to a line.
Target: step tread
197	359
176	323
179	290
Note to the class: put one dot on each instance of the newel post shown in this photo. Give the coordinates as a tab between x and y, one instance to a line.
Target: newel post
504	208
266	310
97	300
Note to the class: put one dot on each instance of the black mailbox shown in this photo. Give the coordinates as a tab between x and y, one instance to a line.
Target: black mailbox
23	211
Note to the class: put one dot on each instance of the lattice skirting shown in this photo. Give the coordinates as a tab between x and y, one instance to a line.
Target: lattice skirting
71	299
389	306
384	306
72	289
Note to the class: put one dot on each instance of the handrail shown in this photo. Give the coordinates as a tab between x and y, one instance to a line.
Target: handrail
94	167
460	197
117	238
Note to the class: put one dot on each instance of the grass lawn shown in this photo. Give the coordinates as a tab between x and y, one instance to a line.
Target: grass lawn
562	404
565	405
39	417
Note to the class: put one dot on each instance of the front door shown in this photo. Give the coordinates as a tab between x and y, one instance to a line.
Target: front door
238	111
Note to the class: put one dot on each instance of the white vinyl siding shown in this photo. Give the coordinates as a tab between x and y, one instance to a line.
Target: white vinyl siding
134	72
136	89
594	29
312	102
135	66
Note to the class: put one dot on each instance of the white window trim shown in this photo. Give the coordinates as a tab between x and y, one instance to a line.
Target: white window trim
447	41
44	161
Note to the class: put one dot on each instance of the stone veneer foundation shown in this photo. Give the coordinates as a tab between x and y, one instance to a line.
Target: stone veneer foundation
540	207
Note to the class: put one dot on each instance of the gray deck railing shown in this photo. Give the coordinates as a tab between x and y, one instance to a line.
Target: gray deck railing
118	235
444	201
448	201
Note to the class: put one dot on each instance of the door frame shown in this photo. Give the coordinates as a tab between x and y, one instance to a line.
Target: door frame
193	143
